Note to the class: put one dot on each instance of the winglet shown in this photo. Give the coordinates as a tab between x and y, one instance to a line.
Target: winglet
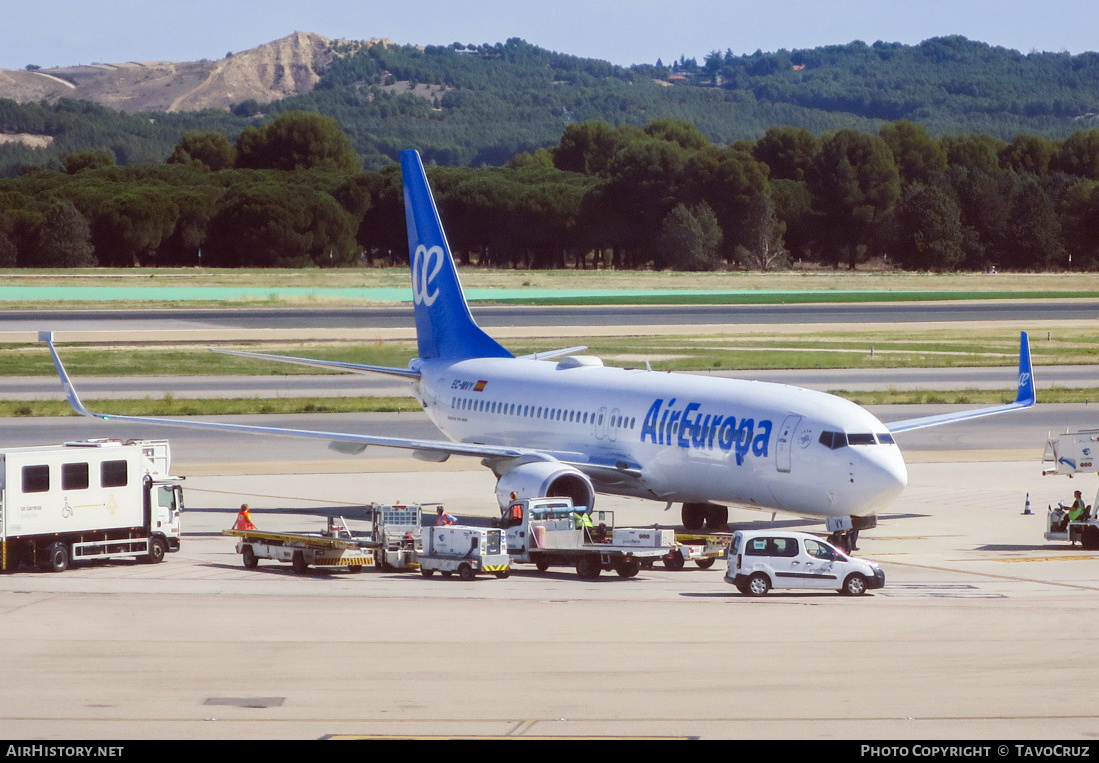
1026	395
1024	398
70	391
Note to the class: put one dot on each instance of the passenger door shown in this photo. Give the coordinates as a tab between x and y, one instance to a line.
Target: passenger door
785	441
820	565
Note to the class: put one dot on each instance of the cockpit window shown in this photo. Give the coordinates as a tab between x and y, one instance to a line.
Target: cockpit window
866	438
885	438
833	440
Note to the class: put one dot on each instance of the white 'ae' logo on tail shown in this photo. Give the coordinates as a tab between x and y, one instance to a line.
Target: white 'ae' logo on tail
425	260
1023	379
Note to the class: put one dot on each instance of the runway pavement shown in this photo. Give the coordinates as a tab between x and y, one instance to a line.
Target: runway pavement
982	632
978	634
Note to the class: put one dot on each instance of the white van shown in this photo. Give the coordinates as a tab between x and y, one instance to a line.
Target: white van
760	560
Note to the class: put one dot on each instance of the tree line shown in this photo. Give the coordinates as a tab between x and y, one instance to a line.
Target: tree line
291	193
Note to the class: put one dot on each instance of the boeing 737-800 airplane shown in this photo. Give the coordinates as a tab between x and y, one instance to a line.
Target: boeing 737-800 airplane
574	427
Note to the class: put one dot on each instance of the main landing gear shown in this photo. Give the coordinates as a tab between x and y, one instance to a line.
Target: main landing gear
695	515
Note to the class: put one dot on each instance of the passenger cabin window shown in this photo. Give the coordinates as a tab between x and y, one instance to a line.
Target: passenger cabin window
113	474
36	479
74	476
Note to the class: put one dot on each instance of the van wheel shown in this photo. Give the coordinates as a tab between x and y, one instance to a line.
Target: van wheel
57	557
758	585
157	550
299	563
465	572
855	585
248	558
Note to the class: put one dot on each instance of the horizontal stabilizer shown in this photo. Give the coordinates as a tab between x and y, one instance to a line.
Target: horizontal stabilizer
334	365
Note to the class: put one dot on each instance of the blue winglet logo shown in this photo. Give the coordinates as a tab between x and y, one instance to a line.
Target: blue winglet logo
444	326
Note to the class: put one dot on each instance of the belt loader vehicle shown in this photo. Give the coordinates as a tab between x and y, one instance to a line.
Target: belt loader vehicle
1073	453
551	532
334	547
93	499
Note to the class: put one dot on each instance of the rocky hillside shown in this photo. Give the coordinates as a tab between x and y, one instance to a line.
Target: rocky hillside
285	67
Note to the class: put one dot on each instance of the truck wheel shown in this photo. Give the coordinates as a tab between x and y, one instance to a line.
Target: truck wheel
299	563
541	566
157	549
628	568
248	558
503	573
705	564
757	585
1090	541
354	568
426	572
465	572
673	561
588	568
855	585
57	557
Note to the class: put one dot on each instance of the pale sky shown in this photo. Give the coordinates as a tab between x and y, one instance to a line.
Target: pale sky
67	32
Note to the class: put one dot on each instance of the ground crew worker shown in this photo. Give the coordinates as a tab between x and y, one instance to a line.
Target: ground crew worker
244	519
442	518
1079	508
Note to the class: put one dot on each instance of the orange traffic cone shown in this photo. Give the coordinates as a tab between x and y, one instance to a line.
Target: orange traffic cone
244	519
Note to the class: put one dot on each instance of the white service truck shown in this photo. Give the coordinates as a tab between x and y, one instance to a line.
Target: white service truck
465	550
1073	453
551	532
92	499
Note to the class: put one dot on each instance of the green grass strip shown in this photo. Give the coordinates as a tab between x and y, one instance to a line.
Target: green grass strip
169	406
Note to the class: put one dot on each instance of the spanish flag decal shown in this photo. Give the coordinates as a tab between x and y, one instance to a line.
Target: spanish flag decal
480	386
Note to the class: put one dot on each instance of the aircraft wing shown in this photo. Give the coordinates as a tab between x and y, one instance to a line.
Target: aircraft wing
1024	398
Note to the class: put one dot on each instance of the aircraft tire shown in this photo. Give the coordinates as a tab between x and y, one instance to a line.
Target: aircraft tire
693	515
717	518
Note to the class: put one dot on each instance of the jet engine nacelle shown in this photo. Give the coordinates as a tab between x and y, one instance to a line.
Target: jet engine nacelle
546	479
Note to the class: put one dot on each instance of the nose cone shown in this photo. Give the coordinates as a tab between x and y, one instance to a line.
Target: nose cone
883	477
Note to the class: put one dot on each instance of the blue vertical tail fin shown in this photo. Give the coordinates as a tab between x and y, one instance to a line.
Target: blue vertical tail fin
444	326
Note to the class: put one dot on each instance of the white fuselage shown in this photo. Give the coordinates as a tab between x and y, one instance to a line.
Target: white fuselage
691	438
